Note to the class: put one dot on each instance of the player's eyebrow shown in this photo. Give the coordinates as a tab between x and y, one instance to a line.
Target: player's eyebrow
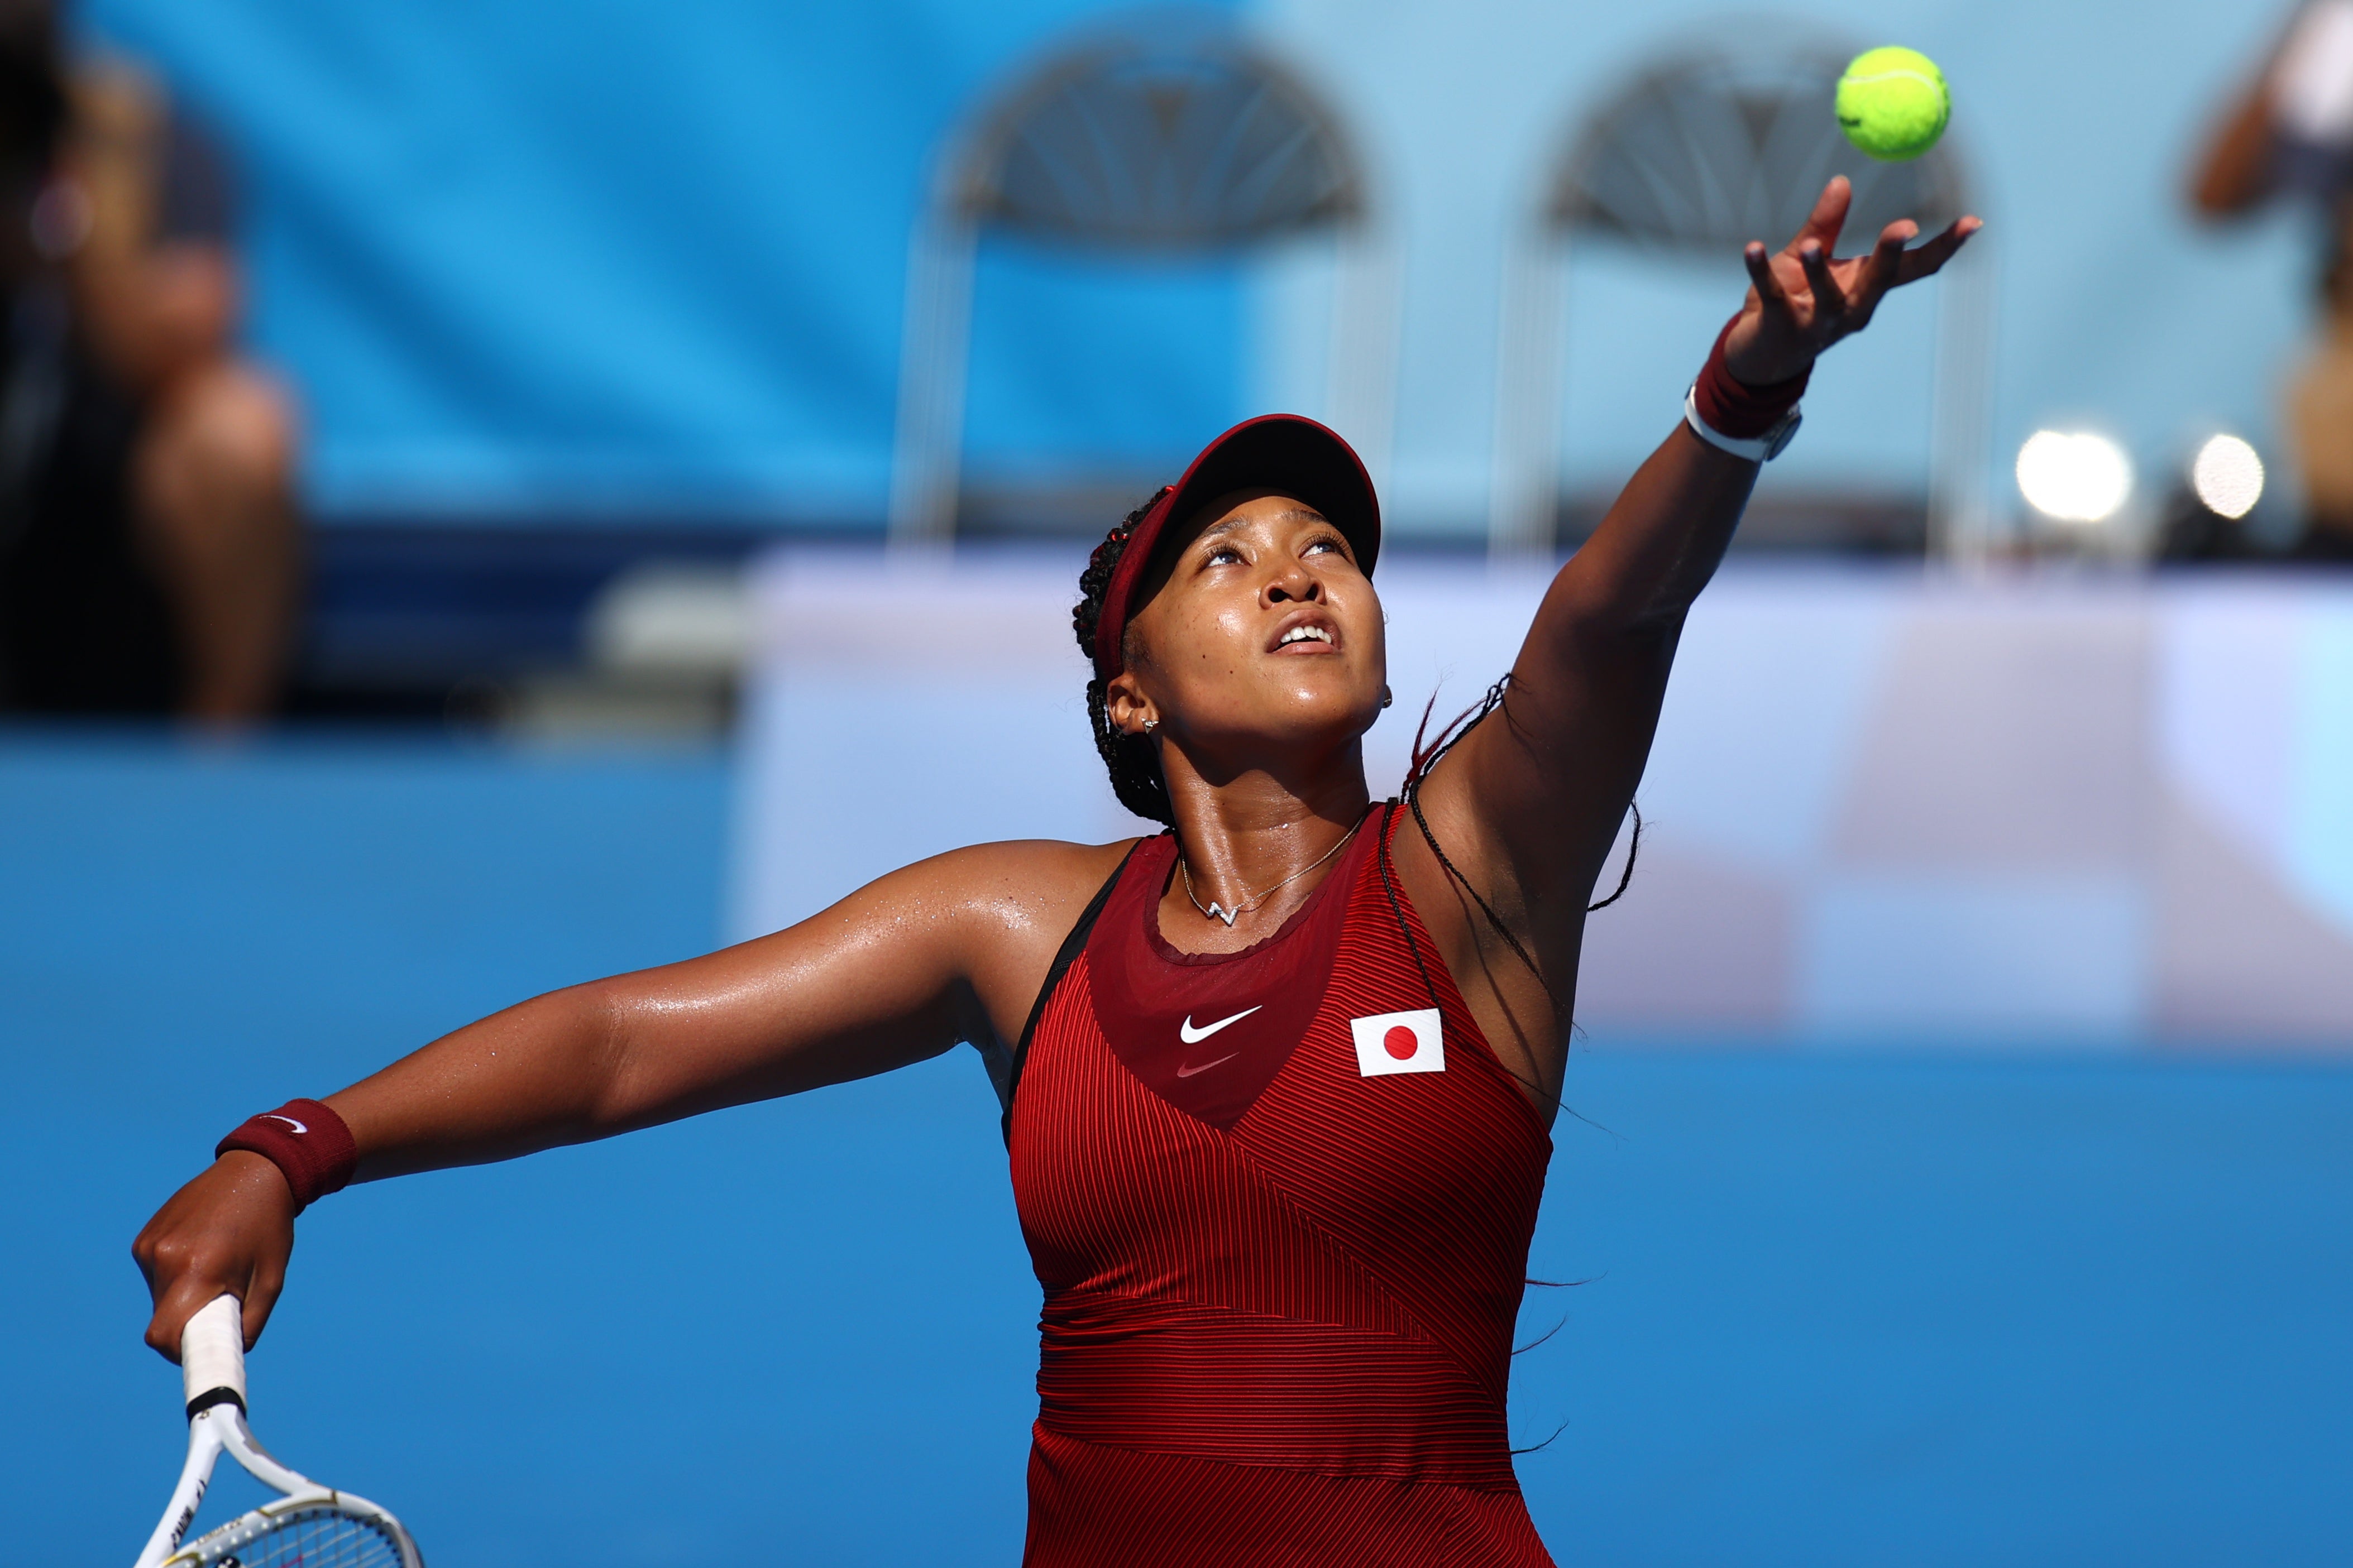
1229	524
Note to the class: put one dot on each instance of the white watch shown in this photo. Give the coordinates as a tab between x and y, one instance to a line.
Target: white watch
1757	449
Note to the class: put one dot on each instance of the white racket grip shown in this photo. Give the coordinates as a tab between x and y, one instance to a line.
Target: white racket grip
212	1353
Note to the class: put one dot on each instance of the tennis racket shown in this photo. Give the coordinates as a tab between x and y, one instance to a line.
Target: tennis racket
310	1526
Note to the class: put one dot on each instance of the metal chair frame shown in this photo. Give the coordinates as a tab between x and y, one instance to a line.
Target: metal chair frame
1702	152
1170	135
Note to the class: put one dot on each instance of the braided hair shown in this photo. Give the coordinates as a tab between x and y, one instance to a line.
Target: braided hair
1134	764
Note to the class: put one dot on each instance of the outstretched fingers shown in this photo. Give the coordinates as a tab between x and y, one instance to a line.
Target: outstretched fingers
1828	216
1770	293
1830	300
1884	266
1925	261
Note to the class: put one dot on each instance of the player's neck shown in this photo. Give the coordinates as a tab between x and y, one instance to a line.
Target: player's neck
1242	837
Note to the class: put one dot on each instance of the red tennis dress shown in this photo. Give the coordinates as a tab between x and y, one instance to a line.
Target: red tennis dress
1281	1202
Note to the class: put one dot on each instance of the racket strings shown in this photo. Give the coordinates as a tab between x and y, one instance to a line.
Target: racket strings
319	1539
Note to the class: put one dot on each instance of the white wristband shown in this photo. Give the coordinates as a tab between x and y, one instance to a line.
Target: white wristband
1757	449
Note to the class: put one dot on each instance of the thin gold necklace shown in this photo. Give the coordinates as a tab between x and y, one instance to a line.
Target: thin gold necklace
1217	911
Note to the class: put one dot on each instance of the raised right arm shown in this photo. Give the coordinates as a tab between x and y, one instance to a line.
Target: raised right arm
950	948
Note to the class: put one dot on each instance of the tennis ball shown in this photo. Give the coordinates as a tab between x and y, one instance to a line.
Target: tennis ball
1892	103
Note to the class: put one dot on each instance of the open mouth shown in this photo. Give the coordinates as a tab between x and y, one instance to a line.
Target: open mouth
1306	638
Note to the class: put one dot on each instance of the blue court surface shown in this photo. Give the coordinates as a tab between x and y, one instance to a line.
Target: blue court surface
1871	1307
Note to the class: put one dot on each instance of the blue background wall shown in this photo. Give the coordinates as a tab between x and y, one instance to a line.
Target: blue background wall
1836	1309
624	257
548	260
2078	119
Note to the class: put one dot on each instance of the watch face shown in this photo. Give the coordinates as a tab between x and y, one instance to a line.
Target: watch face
1778	437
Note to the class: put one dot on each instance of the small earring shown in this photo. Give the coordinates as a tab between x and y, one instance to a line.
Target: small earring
1150	725
1389	697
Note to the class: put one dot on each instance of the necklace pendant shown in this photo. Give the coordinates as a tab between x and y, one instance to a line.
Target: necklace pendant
1217	911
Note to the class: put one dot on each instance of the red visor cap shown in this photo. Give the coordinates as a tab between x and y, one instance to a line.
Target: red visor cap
1275	452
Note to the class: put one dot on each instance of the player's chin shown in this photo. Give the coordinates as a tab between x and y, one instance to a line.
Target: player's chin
1342	706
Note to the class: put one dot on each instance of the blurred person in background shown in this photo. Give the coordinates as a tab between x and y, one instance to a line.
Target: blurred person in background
2291	138
149	545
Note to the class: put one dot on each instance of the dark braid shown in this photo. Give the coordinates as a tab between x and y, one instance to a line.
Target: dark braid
1134	764
1425	757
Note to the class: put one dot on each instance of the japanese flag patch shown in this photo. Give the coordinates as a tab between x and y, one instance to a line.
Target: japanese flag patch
1399	1042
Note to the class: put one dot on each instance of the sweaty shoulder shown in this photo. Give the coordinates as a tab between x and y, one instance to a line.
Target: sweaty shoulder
1015	902
1022	883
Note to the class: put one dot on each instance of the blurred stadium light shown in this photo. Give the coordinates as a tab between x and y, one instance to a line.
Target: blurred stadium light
2084	498
1166	134
2074	476
2223	505
1702	152
2228	476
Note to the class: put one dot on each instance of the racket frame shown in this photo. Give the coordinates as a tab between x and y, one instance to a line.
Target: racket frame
212	1358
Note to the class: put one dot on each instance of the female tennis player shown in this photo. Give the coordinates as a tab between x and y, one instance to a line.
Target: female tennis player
1277	1081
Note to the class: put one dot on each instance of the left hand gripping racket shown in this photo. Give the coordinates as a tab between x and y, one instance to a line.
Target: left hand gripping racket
310	1526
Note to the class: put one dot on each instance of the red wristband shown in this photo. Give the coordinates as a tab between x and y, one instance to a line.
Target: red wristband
307	1140
1733	407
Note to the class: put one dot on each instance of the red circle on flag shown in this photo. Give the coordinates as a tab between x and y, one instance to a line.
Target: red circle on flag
1401	1042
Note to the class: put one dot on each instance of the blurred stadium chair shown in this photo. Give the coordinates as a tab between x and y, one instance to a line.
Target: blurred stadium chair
1168	134
1701	152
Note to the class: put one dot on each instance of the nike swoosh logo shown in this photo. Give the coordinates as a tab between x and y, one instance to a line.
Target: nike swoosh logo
1205	1067
1192	1036
273	1116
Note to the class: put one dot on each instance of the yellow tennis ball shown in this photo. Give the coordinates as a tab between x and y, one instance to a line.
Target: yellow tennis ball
1892	103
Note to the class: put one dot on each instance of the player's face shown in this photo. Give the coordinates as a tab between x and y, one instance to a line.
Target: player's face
1260	639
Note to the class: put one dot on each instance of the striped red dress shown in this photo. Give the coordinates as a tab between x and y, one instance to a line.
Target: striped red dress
1280	1201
